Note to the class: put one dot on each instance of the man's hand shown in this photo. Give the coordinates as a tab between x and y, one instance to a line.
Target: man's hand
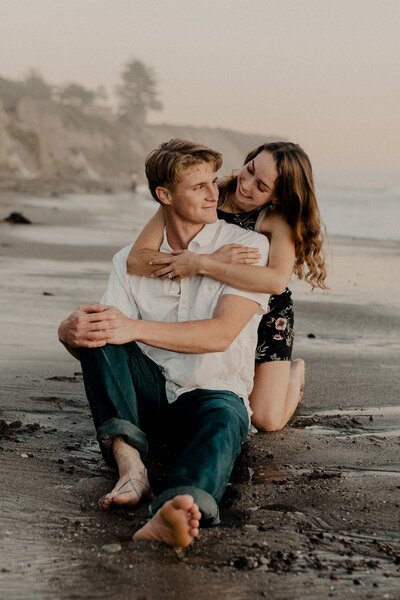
88	327
124	328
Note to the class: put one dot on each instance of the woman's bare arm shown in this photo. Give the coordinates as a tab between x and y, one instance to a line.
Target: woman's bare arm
232	264
146	246
272	279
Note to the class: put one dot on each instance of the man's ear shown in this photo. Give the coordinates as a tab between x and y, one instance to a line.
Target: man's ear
164	195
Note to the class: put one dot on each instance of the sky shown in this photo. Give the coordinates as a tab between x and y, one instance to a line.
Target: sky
322	73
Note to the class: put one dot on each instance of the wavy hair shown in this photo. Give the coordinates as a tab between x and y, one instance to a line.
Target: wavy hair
294	190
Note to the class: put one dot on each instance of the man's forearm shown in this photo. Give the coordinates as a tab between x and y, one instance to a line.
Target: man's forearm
188	337
191	337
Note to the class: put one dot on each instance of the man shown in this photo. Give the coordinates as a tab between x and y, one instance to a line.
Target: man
177	355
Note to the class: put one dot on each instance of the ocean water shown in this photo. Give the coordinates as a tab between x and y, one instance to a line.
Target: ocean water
366	213
370	213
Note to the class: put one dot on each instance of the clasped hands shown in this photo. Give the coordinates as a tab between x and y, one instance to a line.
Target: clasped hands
96	325
184	263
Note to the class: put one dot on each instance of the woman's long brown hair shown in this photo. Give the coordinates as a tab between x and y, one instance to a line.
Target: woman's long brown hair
294	190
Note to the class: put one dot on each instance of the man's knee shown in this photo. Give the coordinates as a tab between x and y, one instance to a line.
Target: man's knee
231	419
103	353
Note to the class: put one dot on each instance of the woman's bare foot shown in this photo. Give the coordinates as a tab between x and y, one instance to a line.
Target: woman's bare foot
298	373
133	483
176	523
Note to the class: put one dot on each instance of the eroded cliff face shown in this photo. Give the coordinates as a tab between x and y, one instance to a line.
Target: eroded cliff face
43	139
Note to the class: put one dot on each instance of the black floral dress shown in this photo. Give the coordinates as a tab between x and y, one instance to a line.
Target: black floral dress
275	332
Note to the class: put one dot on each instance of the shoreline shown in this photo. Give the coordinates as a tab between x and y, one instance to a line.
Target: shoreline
60	190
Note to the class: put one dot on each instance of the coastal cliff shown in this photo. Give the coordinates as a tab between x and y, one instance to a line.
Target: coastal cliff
42	140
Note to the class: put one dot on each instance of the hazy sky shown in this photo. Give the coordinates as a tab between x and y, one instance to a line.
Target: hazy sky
323	73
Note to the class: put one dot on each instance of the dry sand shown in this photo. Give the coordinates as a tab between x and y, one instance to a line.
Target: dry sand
312	511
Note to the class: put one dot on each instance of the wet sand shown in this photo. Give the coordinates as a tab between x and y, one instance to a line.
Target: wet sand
311	511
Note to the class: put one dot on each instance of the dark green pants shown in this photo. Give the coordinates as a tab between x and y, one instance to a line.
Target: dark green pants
126	393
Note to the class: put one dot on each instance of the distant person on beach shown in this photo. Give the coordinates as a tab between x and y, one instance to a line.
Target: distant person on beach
273	194
134	179
159	355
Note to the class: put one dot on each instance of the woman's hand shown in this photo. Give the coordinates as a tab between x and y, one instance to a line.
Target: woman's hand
236	254
184	263
179	264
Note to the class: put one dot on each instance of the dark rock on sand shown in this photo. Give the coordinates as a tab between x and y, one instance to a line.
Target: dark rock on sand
17	218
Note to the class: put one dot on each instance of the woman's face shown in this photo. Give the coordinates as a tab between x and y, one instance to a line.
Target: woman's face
256	183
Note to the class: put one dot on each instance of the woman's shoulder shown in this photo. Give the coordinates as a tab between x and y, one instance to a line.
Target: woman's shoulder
234	234
273	222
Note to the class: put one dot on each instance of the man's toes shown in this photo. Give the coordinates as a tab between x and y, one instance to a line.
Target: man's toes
105	504
184	502
195	512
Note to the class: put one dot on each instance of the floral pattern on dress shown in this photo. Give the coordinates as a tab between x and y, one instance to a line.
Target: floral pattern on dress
275	332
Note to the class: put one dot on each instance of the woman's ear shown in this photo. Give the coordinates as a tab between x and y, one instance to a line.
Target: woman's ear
164	195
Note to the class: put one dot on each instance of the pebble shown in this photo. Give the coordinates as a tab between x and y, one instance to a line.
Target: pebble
112	547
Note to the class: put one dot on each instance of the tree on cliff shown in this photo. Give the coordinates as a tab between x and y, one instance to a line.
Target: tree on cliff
137	93
36	87
77	95
11	93
33	85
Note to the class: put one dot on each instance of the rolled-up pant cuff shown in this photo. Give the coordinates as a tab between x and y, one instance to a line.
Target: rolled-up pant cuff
206	503
119	428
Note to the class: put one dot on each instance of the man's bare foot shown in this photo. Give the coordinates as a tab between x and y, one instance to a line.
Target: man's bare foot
176	523
133	483
298	372
129	490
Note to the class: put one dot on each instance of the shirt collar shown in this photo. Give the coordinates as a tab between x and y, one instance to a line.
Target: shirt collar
201	240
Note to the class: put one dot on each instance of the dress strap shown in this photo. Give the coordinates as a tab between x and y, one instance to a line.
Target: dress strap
261	216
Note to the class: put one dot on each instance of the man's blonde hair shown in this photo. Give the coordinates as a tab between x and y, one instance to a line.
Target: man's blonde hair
165	164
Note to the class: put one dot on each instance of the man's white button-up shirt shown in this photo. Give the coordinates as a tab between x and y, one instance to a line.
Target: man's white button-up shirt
193	298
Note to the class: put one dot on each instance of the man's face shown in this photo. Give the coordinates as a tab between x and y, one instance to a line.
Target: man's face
194	199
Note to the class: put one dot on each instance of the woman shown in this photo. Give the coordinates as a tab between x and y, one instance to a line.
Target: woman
274	195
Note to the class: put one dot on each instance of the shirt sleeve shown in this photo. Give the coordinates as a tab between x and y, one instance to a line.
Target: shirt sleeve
255	240
118	292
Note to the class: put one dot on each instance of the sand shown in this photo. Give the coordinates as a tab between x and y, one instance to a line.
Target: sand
311	511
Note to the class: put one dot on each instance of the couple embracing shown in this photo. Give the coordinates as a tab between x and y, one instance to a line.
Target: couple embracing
171	349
